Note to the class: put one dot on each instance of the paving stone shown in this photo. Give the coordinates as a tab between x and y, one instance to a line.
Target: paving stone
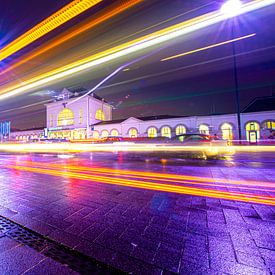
18	260
250	260
49	267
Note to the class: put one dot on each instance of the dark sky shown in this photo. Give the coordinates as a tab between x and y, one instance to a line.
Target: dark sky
197	84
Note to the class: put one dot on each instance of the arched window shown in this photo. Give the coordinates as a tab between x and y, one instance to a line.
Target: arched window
227	132
133	133
204	129
166	131
95	134
252	131
152	132
180	129
65	117
114	133
100	115
104	133
268	125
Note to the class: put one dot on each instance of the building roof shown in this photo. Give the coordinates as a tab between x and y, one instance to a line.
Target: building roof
260	104
29	129
77	92
146	118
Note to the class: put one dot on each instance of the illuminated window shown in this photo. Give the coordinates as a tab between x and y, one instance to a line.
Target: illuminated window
100	115
204	129
152	132
104	133
166	131
133	133
114	133
65	117
227	133
51	120
269	125
80	116
180	129
17	138
252	131
95	134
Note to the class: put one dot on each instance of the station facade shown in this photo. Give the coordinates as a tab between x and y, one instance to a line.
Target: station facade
77	117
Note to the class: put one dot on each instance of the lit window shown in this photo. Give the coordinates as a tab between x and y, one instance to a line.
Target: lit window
65	117
152	132
166	131
114	133
269	125
133	133
100	115
227	133
180	129
80	116
95	134
252	131
204	129
104	133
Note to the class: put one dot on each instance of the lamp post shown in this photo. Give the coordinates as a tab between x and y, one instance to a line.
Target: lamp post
230	9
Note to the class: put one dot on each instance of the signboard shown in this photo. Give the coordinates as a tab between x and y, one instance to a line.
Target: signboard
5	129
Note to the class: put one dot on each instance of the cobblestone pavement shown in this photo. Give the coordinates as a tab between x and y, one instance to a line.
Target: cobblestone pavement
139	230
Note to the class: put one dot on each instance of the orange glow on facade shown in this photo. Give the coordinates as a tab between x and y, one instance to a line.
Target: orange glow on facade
60	17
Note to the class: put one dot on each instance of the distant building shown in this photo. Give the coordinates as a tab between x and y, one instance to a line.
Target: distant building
74	116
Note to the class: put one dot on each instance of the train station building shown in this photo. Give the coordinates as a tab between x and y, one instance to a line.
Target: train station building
76	116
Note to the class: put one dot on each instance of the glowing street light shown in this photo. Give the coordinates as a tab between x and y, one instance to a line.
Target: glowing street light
231	8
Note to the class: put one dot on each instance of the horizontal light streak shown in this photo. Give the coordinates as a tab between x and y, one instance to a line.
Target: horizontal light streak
145	147
73	33
209	47
60	17
151	175
245	197
128	48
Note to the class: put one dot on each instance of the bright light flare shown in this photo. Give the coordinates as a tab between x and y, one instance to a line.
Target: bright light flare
231	8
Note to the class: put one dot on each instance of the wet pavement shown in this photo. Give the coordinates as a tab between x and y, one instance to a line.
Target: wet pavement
145	216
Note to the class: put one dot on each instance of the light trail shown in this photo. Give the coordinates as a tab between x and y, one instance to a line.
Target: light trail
74	32
152	175
60	17
209	47
128	147
128	48
237	196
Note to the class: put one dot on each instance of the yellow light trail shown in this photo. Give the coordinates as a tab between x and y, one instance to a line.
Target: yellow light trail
209	47
127	147
103	16
128	48
153	176
60	17
245	197
171	178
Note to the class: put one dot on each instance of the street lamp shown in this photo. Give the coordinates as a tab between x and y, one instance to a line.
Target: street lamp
232	8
